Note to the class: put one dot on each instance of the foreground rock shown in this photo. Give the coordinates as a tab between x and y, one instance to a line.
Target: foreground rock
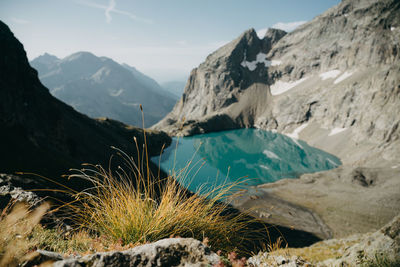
335	83
166	252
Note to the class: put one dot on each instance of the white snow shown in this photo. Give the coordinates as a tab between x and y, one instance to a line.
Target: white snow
332	162
252	65
336	131
280	87
392	28
395	167
297	142
270	154
117	93
296	131
264	167
276	62
342	77
329	74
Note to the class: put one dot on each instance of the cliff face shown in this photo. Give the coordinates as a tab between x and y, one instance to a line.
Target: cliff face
339	73
346	63
220	91
43	135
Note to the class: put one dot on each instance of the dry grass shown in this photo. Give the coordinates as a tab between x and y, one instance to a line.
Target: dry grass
15	227
316	253
135	208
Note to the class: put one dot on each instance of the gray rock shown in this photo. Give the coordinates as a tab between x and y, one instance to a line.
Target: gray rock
266	260
166	252
384	242
224	86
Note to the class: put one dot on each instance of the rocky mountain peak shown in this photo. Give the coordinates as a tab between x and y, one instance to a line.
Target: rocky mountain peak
81	56
239	67
47	58
274	35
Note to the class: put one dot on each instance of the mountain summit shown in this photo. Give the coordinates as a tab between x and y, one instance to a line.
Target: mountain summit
100	87
219	93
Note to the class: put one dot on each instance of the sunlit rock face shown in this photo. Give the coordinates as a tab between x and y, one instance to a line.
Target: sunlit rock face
228	90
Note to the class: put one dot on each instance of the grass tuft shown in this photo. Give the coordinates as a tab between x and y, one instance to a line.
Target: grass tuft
132	207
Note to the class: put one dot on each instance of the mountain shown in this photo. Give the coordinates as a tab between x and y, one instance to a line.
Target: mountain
43	135
174	87
100	87
229	90
333	82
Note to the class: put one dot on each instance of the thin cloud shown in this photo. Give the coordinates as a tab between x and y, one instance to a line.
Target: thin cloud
20	21
288	26
111	8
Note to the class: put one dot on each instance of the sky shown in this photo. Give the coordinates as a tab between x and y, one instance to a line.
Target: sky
164	39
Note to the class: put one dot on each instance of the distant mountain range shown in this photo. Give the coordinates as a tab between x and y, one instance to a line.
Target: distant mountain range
100	87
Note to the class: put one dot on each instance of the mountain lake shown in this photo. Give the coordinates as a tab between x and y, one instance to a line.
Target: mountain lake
252	156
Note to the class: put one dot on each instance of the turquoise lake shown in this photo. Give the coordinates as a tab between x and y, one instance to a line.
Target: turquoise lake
253	155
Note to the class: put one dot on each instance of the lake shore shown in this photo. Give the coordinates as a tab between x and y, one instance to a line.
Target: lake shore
358	197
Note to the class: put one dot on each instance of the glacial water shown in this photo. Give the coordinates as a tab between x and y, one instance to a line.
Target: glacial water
250	155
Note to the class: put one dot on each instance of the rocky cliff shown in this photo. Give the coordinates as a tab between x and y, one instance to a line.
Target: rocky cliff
229	90
100	87
42	134
333	82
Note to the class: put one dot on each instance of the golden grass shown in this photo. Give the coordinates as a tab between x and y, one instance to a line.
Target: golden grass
135	208
316	253
15	227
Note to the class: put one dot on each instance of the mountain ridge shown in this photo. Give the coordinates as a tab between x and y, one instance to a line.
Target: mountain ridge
101	87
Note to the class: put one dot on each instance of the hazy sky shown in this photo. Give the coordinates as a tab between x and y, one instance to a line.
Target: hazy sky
162	38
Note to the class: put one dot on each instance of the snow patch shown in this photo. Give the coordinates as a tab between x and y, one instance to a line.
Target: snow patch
297	142
252	65
280	87
296	131
395	167
329	74
264	167
332	162
276	62
270	154
392	28
336	131
342	77
117	93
